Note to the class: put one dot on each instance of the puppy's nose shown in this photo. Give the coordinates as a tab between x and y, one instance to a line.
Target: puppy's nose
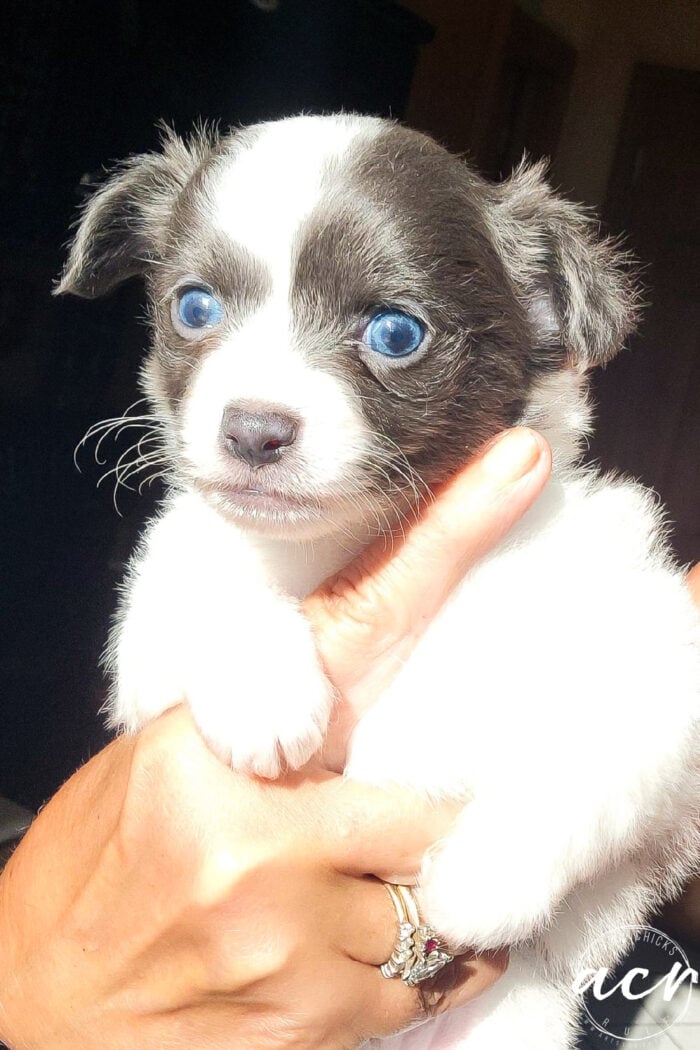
257	436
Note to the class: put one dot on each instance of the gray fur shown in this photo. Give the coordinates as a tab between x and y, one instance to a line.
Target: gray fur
553	251
124	226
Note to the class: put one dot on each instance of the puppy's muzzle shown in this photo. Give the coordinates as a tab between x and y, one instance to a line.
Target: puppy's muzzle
258	436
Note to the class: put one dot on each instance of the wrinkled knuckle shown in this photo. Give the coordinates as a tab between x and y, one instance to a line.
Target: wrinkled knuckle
370	600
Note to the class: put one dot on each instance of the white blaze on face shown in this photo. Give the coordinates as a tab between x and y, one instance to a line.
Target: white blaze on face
260	198
253	365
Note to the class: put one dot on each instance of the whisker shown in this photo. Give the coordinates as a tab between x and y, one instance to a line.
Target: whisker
114	427
122	470
130	470
147	481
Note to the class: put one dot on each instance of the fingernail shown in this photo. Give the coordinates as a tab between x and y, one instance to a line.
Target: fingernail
512	456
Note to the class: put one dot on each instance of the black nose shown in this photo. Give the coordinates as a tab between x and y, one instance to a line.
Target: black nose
257	437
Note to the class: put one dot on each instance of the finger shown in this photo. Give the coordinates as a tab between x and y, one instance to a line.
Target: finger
463	980
393	1005
369	935
380	831
693	581
474	511
357	1002
369	925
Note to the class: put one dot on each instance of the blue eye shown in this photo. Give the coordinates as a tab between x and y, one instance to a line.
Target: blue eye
198	308
394	333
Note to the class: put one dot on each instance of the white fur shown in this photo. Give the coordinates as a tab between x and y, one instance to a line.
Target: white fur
260	363
562	676
165	653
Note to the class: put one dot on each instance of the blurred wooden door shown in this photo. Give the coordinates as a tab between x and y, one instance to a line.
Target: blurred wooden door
649	399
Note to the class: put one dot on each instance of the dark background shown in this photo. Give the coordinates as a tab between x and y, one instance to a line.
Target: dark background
612	99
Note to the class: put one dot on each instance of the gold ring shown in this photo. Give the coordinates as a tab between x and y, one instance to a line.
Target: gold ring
418	953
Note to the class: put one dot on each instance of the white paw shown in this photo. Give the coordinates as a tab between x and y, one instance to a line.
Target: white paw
249	672
264	722
261	700
476	891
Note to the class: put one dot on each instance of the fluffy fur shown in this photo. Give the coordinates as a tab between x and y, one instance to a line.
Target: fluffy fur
562	675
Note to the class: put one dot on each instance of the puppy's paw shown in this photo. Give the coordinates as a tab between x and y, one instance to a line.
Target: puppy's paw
261	708
263	724
481	891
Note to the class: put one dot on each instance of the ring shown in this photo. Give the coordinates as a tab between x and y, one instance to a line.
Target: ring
418	952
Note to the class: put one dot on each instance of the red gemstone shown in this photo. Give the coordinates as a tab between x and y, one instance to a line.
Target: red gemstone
430	945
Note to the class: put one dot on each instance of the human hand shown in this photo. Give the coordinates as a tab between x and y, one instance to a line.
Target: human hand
162	900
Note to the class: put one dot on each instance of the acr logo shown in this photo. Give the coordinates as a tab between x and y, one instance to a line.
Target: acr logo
664	976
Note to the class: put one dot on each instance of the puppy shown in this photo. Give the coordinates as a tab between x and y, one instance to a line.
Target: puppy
342	313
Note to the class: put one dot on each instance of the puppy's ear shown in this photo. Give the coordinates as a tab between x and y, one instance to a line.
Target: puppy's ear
578	288
123	224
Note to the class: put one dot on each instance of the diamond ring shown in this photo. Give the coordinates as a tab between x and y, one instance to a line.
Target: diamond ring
418	953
